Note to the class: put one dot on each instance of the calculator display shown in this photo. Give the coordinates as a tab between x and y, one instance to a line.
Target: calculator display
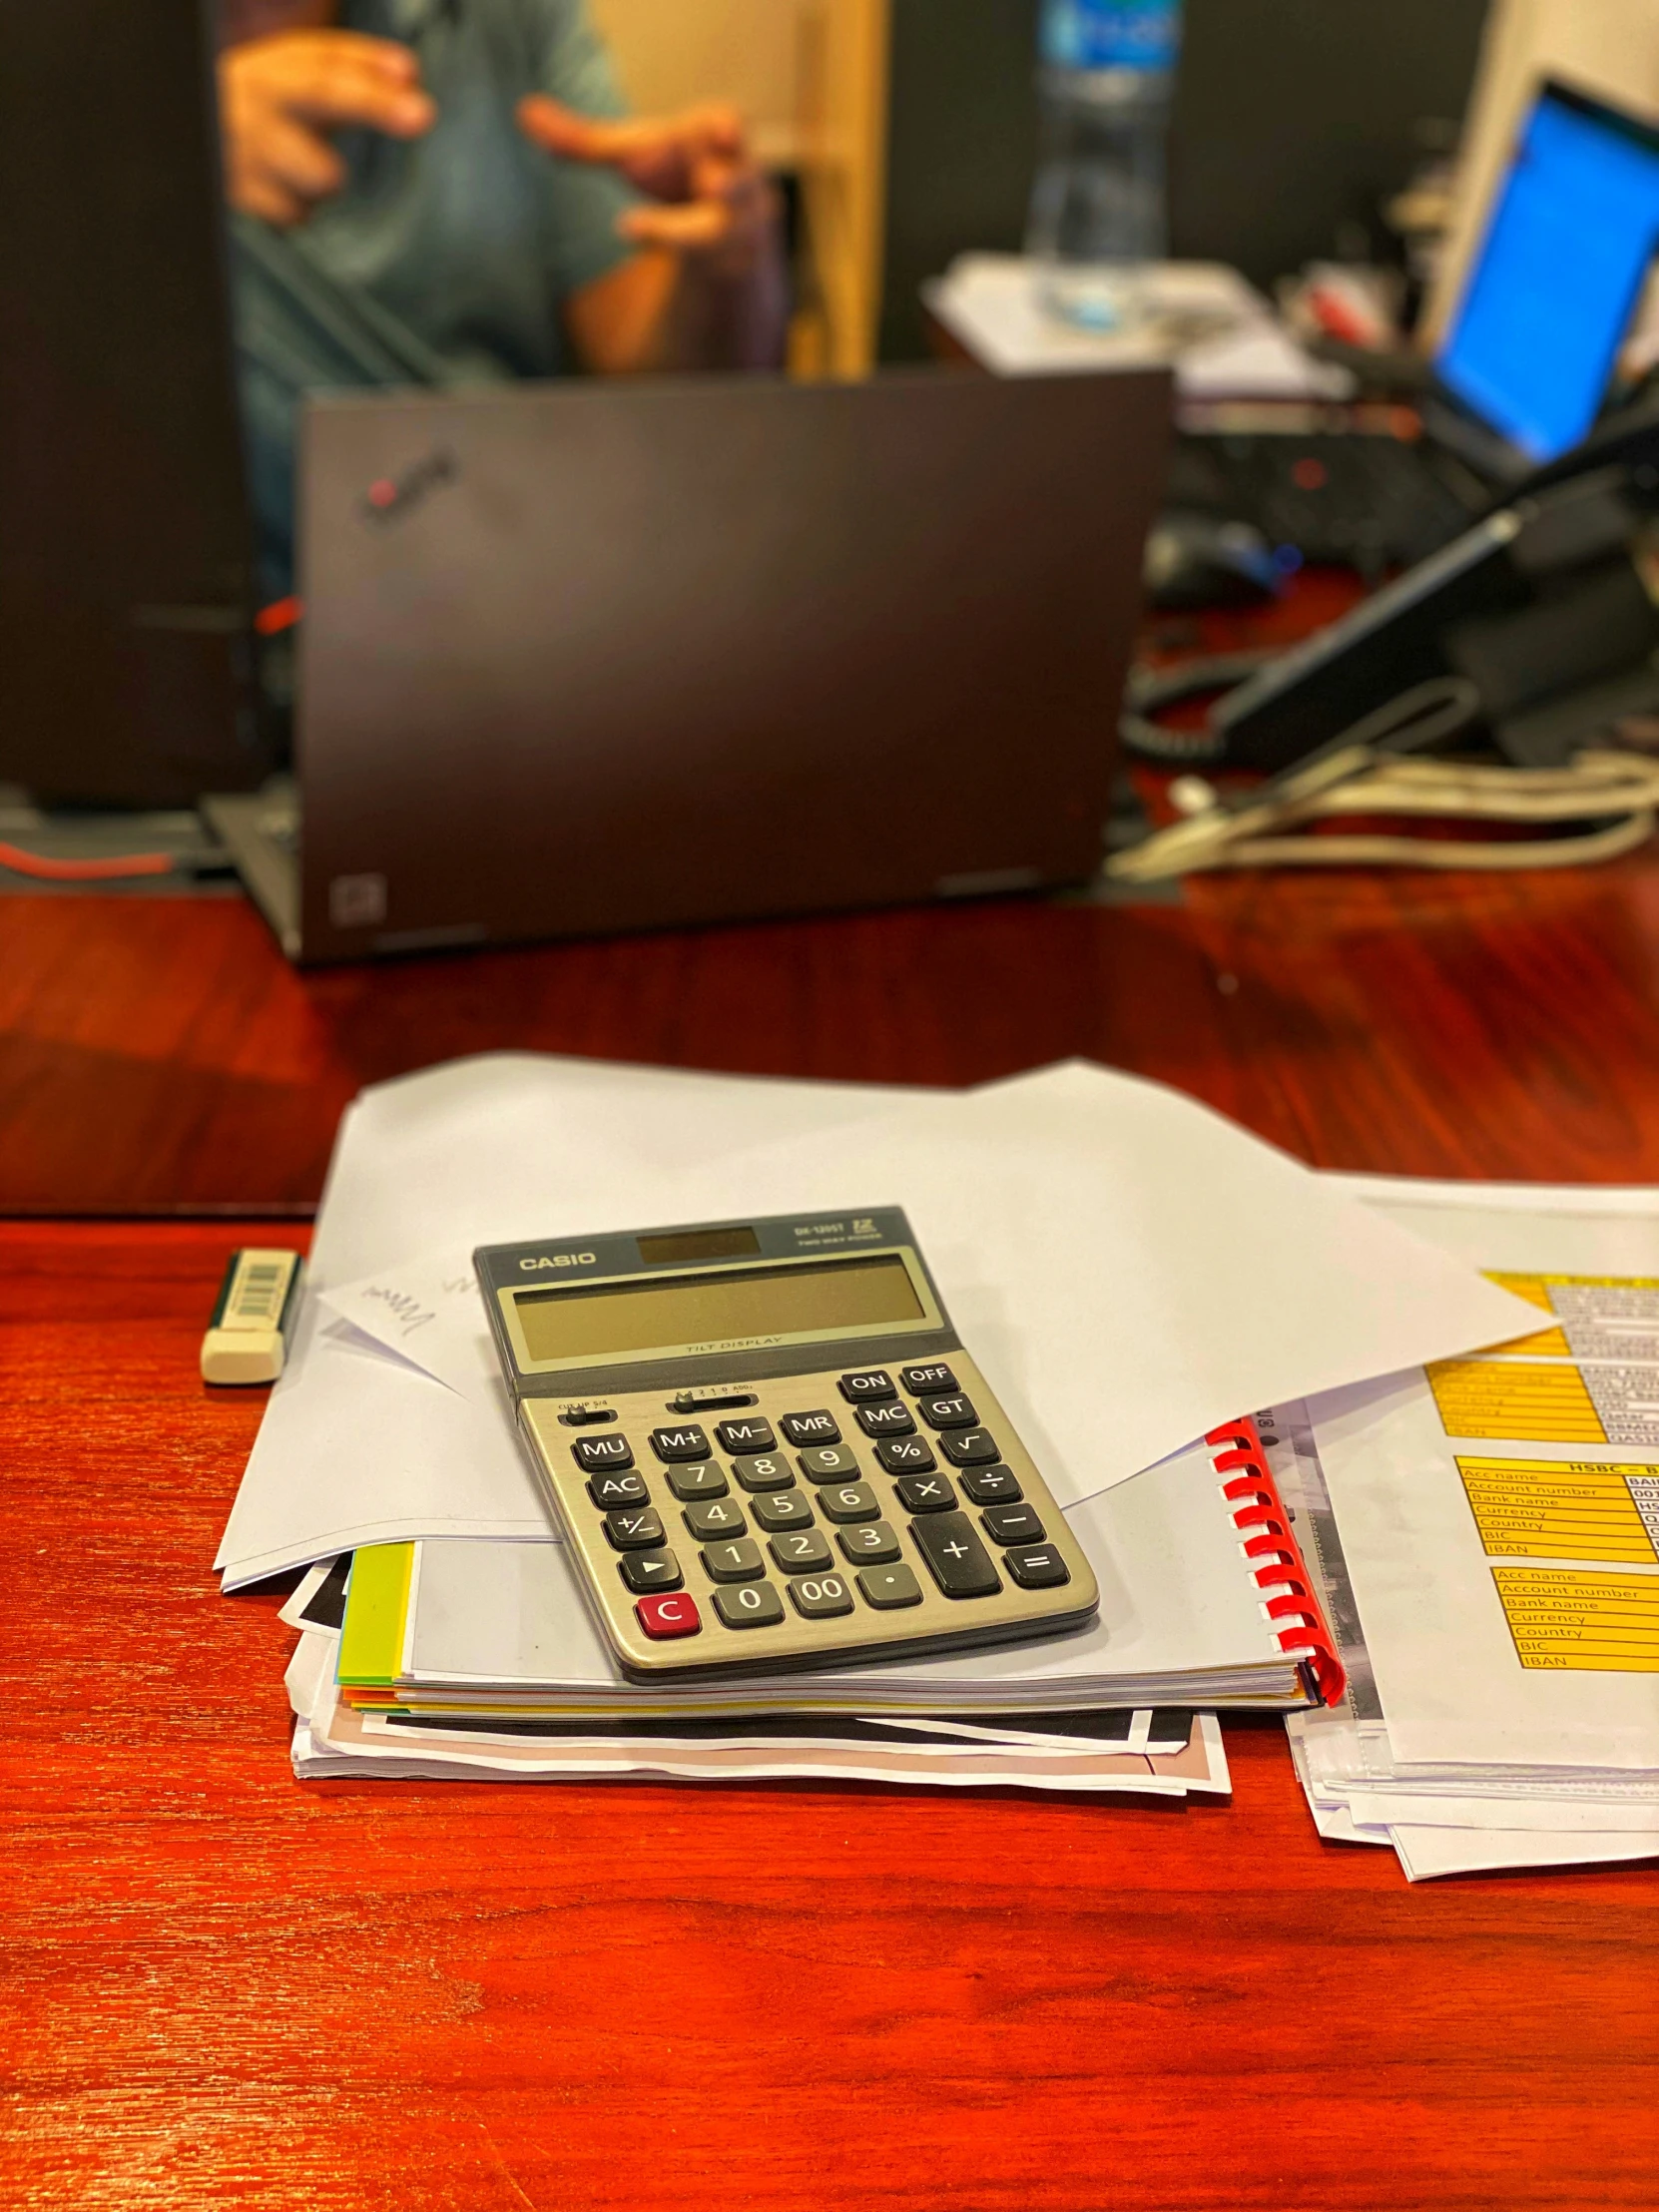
685	1311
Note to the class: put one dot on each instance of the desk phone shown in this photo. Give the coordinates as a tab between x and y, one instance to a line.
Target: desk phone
768	1450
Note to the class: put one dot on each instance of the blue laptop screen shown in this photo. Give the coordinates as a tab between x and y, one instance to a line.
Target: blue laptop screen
1567	248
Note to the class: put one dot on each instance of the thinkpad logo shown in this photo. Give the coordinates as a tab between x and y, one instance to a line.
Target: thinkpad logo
389	498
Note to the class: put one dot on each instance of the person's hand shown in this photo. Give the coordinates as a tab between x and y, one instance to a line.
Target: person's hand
716	205
279	98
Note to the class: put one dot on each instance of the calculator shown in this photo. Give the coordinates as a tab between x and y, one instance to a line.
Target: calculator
767	1449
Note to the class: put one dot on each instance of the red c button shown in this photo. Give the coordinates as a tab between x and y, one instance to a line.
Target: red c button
662	1617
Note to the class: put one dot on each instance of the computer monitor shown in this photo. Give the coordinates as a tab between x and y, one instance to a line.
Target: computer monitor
126	580
1569	241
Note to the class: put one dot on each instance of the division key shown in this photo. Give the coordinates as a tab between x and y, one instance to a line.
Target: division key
957	1559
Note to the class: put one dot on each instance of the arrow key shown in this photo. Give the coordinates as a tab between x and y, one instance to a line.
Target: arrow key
651	1570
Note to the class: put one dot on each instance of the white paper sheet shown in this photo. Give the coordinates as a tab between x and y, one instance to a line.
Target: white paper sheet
1129	1269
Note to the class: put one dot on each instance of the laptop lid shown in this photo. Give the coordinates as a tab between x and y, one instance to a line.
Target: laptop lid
1531	347
591	657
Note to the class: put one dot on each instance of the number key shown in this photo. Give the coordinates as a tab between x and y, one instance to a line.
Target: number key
764	1471
853	1502
824	1463
820	1597
715	1518
735	1563
802	1551
784	1509
870	1540
750	1605
701	1481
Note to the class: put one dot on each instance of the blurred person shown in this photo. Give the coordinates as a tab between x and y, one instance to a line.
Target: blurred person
447	193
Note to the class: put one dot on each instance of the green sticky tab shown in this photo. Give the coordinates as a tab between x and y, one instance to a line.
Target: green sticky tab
376	1601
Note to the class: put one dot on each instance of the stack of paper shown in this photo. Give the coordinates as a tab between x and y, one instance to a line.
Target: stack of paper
1488	1533
1221	335
1166	1753
1128	1268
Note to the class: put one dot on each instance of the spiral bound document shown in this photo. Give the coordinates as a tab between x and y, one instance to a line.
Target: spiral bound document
1270	1545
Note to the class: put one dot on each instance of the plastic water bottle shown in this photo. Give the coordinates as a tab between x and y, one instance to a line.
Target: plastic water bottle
1106	75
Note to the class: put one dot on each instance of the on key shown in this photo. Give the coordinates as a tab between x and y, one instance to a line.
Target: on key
957	1559
868	1389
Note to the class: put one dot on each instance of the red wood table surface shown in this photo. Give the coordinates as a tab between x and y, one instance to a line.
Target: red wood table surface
225	1988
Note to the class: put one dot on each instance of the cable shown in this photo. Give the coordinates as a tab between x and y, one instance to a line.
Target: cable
1150	690
1363	773
110	871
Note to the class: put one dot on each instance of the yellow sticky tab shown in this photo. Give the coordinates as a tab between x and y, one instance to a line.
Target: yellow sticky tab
376	1604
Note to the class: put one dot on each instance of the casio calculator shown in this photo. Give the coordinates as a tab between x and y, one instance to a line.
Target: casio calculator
768	1449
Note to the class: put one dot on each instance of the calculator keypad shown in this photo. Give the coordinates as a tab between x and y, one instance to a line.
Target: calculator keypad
792	1526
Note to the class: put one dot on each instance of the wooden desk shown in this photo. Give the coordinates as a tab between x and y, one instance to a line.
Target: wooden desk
228	1989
